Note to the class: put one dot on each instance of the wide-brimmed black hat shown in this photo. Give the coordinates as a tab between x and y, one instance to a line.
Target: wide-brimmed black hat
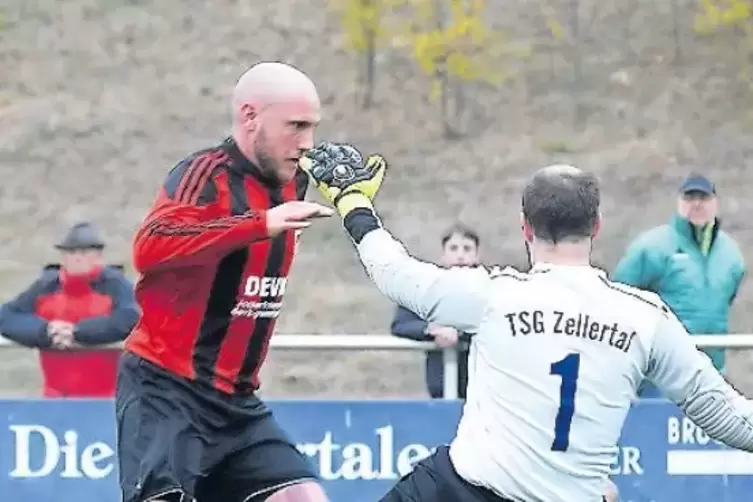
82	235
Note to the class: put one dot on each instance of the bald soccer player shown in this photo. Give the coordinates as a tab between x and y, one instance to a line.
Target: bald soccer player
214	253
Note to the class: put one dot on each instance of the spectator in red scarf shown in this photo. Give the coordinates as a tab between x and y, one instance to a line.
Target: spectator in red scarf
73	306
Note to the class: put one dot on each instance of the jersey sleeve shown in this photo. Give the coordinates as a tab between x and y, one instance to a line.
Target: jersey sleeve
688	378
453	297
185	225
20	323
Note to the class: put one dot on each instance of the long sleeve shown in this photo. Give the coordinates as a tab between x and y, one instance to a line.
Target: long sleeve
688	378
453	297
19	323
177	235
408	325
116	326
636	268
187	221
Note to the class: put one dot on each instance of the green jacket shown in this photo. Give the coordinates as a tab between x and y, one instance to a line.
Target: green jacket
698	287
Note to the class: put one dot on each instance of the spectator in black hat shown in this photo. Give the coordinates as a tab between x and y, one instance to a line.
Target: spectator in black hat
694	266
77	303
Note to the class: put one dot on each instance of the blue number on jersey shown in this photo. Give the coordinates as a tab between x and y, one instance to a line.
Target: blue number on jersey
567	368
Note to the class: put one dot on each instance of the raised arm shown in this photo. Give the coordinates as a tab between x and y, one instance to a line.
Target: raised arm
188	222
688	378
450	297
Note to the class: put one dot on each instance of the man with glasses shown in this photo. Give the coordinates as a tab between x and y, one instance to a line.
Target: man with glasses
693	265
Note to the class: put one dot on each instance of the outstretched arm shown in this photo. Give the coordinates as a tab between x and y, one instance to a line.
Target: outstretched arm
454	297
185	224
449	297
689	379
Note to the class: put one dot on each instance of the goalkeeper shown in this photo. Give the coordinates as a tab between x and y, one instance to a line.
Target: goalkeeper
557	354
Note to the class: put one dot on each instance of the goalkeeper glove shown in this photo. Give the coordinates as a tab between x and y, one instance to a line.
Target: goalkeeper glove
342	177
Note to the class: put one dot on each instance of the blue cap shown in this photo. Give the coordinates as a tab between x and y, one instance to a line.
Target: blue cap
697	183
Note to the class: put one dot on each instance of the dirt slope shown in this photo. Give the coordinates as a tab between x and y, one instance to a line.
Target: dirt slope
98	100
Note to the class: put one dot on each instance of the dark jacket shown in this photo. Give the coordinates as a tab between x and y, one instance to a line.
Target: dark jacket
101	305
408	325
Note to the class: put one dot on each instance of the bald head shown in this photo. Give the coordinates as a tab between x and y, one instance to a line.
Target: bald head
559	170
268	83
275	113
561	204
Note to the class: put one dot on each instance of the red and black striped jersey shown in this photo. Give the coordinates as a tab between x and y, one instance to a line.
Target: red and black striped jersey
212	282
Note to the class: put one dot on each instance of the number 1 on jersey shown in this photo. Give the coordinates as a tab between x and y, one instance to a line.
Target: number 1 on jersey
566	368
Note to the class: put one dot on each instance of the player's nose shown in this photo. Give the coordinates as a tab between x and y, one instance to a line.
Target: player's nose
306	140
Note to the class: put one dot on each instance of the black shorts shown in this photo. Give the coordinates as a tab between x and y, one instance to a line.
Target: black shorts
434	480
176	439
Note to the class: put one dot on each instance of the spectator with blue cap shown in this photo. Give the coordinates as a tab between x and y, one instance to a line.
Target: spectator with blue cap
694	266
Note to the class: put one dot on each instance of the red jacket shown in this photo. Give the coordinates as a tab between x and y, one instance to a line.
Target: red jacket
101	306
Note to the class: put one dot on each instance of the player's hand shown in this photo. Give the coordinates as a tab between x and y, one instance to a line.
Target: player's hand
294	215
444	336
342	176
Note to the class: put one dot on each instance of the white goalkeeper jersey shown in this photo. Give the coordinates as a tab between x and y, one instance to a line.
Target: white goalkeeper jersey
554	365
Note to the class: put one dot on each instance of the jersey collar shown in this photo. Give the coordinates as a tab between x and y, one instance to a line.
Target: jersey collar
542	267
243	166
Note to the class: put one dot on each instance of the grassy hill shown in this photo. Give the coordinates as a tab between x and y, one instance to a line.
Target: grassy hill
98	99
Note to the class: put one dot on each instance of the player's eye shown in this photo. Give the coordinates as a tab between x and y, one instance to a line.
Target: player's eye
299	125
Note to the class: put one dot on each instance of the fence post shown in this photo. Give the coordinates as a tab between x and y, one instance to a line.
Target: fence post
450	356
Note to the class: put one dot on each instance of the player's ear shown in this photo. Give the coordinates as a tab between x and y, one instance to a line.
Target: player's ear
597	227
526	229
248	115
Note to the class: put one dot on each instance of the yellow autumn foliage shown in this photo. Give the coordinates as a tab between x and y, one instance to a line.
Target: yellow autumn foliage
461	46
734	20
715	15
365	21
553	24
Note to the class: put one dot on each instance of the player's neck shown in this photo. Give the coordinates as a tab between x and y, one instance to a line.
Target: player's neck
566	253
245	149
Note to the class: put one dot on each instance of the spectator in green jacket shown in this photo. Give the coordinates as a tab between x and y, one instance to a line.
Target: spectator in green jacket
693	265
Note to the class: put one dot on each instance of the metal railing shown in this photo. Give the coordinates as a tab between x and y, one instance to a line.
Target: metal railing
392	343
